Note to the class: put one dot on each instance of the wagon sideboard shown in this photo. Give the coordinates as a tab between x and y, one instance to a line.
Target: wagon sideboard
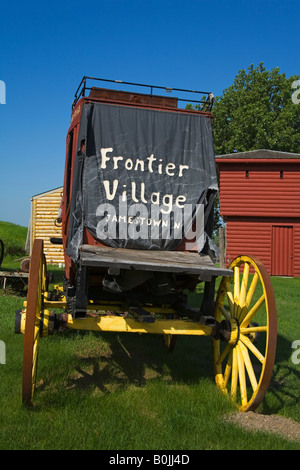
156	261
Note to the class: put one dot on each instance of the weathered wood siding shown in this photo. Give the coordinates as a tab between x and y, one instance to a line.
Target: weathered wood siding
44	211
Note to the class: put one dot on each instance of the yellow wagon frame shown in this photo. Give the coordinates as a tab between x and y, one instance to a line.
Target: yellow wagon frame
242	368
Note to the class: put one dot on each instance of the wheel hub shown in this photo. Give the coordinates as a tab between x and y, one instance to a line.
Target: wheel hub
234	332
227	331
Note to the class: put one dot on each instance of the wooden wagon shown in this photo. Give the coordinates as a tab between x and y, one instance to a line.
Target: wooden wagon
134	163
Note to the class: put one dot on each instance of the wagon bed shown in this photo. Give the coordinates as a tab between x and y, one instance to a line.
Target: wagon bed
143	260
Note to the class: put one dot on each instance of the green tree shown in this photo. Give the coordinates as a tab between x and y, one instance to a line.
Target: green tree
257	112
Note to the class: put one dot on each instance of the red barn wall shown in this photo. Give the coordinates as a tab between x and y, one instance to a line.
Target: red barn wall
263	190
275	242
260	202
248	238
297	251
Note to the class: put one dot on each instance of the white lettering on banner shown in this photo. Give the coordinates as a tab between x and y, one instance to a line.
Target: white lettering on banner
110	195
168	212
104	158
171	169
138	193
155	197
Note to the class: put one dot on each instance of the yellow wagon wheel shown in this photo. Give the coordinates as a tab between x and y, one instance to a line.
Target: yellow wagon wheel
244	356
37	285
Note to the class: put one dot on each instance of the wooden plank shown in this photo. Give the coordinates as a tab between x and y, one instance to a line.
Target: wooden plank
14	274
150	260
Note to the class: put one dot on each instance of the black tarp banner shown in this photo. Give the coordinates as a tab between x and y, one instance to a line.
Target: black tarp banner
144	178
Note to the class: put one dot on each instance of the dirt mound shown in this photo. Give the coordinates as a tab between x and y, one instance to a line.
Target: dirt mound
270	423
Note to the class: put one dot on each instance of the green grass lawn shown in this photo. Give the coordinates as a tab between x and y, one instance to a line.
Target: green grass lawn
125	392
14	239
108	391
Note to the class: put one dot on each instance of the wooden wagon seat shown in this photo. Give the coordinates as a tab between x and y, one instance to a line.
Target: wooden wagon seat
151	260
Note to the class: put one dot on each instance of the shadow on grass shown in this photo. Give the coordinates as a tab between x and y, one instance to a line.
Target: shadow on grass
107	363
135	359
284	384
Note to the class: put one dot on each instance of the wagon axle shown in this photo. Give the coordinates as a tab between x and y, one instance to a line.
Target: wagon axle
49	321
227	331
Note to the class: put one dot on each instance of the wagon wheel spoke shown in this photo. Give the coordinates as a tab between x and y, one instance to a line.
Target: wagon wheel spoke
36	288
249	367
243	362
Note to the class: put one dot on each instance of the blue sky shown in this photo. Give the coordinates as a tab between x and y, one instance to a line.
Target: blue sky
46	47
